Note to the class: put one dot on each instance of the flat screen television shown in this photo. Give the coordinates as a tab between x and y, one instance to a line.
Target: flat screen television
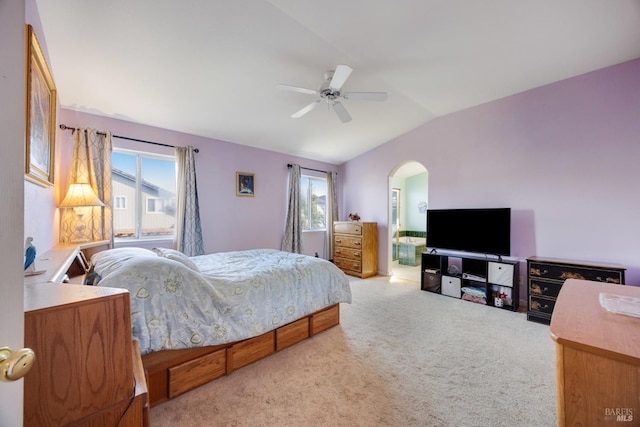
485	231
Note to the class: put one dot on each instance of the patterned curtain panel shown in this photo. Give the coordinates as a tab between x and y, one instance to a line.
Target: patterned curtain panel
91	163
332	211
292	240
188	236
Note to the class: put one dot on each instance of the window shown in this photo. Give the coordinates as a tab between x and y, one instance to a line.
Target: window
144	195
155	205
119	202
313	203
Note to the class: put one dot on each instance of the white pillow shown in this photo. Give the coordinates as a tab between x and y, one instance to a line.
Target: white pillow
104	262
175	255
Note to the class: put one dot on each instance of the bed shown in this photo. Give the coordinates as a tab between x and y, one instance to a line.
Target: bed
199	318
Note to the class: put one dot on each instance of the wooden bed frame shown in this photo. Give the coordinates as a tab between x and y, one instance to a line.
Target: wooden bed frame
170	373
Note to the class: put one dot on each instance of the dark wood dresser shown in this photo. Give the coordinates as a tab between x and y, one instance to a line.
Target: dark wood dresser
545	277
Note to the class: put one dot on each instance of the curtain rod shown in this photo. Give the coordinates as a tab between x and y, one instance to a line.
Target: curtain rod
309	169
72	129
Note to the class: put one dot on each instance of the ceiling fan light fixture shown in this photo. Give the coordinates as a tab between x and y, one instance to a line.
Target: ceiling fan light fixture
330	91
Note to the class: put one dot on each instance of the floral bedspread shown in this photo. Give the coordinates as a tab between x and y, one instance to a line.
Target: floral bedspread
234	296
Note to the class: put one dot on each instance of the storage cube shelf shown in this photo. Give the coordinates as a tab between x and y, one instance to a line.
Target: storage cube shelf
480	280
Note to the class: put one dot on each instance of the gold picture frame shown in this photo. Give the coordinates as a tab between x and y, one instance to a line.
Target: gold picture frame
245	184
41	115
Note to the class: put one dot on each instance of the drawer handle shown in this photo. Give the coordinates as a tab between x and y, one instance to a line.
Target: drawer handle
357	243
357	254
338	241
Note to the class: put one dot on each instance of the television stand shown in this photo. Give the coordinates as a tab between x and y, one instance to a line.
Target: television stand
480	278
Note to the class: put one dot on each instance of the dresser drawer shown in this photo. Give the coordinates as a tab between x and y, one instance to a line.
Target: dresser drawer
566	271
348	252
348	264
348	228
541	304
544	288
348	242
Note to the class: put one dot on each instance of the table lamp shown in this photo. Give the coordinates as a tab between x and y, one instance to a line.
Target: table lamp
80	196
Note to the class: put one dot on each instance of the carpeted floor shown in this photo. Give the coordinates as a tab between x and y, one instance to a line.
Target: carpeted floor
400	357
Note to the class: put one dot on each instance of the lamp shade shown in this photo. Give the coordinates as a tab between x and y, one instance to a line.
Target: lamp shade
80	195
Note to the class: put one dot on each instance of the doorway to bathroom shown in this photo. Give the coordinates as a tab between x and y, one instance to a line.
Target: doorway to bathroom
408	201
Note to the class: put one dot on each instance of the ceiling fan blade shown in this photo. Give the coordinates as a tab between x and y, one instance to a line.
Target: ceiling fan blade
340	76
297	89
306	109
342	113
366	96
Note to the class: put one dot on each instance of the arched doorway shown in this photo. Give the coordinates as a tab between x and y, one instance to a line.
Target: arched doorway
408	201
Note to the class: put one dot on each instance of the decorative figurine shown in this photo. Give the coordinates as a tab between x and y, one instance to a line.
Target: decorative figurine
29	256
354	216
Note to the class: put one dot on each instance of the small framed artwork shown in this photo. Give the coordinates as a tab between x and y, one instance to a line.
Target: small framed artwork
245	184
41	116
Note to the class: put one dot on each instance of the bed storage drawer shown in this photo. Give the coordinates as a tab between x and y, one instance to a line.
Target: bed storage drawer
325	319
251	350
196	372
292	333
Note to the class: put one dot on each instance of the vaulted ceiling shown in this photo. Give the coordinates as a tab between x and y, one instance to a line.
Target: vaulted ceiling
210	68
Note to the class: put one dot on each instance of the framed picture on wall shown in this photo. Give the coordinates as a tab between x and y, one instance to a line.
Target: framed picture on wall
245	184
41	116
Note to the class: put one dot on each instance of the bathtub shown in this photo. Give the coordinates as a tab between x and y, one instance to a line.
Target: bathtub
408	250
417	241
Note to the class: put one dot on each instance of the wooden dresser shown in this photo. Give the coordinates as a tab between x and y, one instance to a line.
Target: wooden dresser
597	357
88	370
355	247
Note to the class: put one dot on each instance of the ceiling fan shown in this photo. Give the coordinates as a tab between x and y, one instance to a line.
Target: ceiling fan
330	92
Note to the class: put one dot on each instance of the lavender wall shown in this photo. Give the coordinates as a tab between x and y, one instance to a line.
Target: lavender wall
40	213
564	157
228	222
